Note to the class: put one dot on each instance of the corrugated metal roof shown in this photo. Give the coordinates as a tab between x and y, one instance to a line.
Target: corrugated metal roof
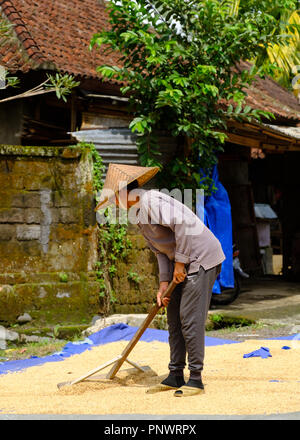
114	145
292	132
118	145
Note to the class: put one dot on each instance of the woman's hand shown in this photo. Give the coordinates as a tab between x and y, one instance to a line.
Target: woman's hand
165	301
179	273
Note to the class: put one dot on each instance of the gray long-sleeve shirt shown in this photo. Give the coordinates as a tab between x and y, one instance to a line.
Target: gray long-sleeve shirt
176	234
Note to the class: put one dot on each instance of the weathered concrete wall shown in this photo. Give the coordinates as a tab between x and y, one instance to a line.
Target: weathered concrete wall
135	294
48	234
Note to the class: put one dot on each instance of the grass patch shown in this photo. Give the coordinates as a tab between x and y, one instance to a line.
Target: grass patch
216	321
248	328
39	349
52	339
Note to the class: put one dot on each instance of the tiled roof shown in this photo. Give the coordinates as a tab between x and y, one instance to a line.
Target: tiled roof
266	94
55	33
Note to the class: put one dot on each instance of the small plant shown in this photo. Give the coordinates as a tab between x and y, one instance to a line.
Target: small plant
113	297
102	287
160	320
56	330
112	270
100	279
217	321
113	243
133	276
61	84
98	167
216	318
63	277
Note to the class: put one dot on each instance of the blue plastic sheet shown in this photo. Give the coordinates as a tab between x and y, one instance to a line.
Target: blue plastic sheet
119	332
113	333
263	352
217	217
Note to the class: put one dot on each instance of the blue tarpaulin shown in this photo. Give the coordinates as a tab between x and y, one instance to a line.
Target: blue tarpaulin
217	217
263	352
113	333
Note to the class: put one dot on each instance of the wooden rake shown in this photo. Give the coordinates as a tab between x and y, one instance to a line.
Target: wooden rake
120	359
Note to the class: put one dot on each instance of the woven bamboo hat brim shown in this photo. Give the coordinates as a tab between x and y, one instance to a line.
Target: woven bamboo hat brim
119	176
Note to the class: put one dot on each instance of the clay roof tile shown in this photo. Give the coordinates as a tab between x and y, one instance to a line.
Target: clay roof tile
59	32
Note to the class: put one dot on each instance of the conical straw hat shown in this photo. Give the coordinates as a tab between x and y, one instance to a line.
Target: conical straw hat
118	176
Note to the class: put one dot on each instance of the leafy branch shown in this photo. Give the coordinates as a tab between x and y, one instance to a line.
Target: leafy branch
179	63
62	85
113	242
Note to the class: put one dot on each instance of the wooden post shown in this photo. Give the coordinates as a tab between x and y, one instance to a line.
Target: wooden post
73	112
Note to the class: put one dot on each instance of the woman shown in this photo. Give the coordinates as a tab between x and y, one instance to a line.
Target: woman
187	252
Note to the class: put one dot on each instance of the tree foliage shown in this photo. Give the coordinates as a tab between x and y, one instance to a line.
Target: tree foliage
281	59
177	65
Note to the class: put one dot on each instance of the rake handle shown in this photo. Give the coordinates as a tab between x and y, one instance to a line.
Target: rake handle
152	313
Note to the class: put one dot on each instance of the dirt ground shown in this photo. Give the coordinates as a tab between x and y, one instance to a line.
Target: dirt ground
273	303
262	331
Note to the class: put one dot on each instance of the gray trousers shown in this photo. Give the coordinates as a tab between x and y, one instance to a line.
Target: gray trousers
186	315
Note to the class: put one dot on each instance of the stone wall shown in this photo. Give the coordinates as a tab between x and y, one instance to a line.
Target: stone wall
48	235
136	283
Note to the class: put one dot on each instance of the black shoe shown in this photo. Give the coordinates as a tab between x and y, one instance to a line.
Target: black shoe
174	381
170	383
191	388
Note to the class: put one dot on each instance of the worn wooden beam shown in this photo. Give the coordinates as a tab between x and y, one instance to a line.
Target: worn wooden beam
265	144
242	140
250	128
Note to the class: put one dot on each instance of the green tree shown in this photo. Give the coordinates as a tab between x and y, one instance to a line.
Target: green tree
177	65
281	59
285	55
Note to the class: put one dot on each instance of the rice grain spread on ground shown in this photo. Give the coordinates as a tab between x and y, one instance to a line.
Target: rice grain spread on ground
233	385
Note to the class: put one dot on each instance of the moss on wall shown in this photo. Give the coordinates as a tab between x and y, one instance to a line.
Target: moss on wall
48	228
136	284
46	193
49	303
